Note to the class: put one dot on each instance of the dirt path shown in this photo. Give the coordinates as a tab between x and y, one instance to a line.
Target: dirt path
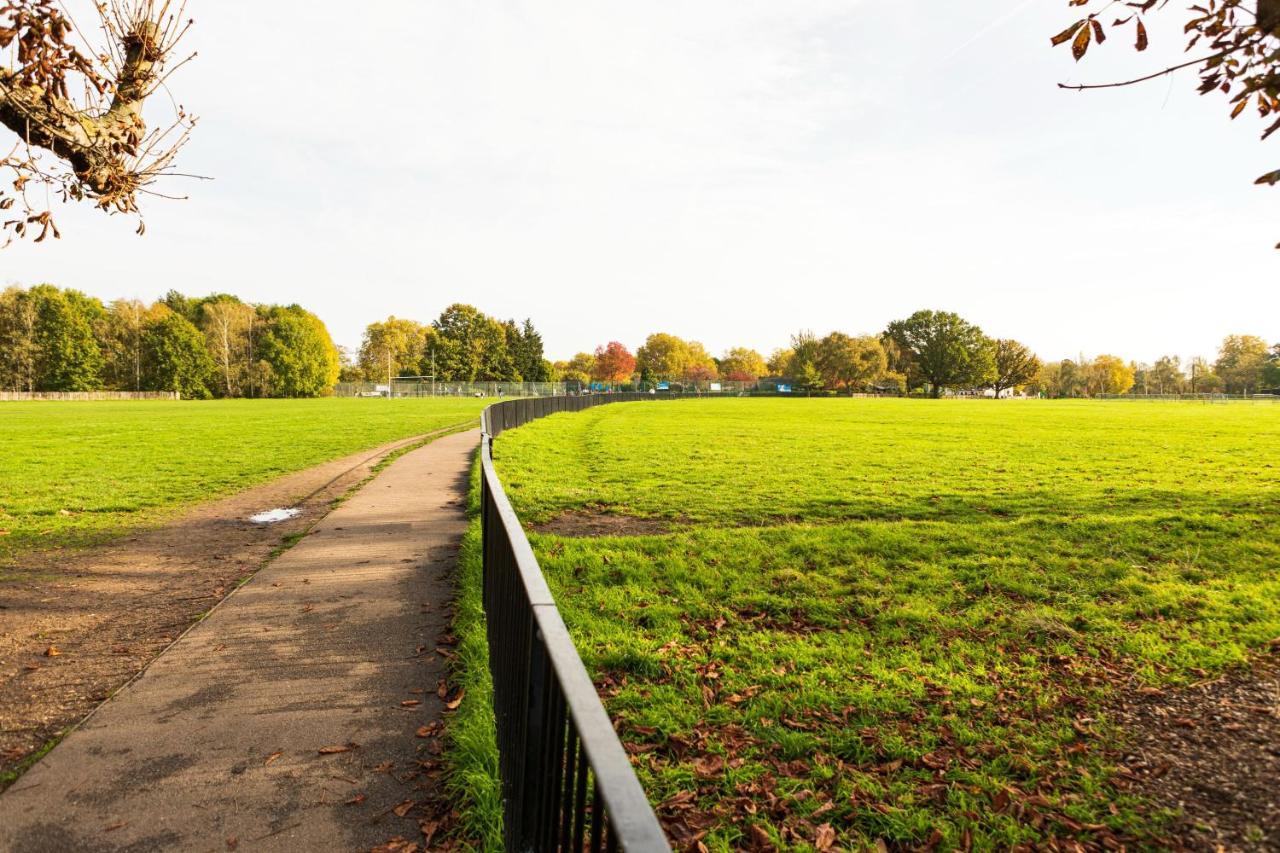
296	715
1211	753
81	625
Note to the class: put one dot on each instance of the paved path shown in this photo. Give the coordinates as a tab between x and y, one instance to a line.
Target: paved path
217	745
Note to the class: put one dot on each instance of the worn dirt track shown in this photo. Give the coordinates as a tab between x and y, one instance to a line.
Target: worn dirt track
81	624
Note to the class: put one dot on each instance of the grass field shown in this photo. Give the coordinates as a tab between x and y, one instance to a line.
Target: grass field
900	619
72	474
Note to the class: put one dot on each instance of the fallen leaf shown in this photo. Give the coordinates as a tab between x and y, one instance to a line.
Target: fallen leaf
709	767
825	838
112	827
52	652
232	842
409	703
272	757
453	704
403	809
357	800
425	731
333	750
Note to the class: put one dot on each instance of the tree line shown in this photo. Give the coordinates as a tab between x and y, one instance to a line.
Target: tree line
932	352
53	339
463	344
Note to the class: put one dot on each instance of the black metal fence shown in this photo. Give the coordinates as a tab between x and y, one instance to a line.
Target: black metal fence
567	783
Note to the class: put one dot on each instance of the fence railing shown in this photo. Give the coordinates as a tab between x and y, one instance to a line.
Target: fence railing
567	783
83	396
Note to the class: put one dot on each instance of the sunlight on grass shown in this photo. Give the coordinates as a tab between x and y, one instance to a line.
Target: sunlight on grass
902	618
73	474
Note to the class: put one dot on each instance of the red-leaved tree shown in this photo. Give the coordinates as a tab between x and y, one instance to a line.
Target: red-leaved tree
614	363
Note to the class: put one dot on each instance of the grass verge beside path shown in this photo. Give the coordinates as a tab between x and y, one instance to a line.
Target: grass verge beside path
901	621
73	474
472	753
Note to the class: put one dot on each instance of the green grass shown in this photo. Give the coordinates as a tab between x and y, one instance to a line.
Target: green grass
904	619
72	474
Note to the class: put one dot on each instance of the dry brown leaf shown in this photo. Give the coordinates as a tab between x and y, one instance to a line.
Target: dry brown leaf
453	704
232	842
357	800
272	757
52	652
409	703
334	750
112	827
825	838
403	809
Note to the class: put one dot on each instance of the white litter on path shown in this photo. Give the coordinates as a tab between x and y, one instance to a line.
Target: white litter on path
271	516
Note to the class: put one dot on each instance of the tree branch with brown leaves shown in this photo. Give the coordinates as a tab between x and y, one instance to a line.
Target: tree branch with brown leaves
1242	39
84	111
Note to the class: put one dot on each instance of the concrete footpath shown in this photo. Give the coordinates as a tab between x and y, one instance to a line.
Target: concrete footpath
289	718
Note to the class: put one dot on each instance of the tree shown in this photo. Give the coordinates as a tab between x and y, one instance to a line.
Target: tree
850	363
303	359
103	149
525	345
613	363
1016	365
472	347
1238	50
226	322
67	354
175	357
1271	369
1108	374
1166	375
942	350
741	364
577	369
700	367
779	361
121	342
18	349
394	346
1240	361
663	357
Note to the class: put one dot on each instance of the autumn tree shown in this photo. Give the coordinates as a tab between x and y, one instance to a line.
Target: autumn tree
613	363
396	346
1235	47
779	361
1108	374
577	369
1015	365
662	357
742	364
850	363
77	109
942	350
700	366
1240	361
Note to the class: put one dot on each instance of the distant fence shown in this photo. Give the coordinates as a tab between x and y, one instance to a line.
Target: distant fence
427	388
567	784
1193	398
81	396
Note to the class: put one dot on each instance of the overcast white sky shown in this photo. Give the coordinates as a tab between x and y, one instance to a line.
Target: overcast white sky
726	170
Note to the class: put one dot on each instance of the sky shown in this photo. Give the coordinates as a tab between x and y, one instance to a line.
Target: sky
730	171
